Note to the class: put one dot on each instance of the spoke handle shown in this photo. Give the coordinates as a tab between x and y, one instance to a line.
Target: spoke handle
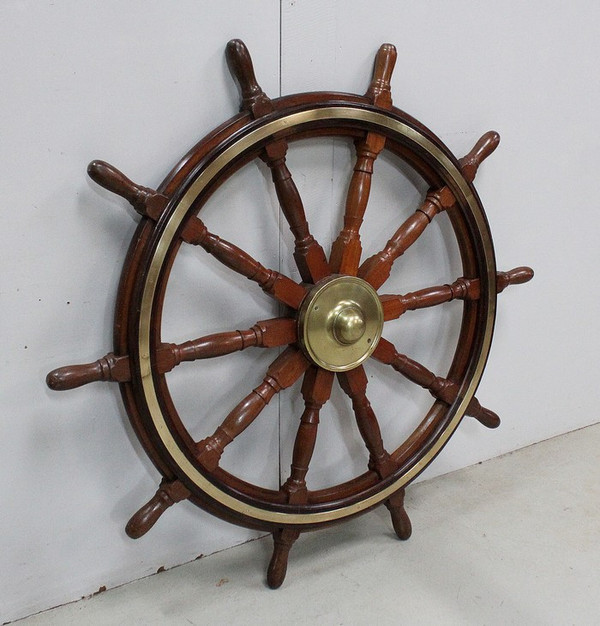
109	368
516	276
109	177
379	91
167	495
486	144
484	416
144	200
240	65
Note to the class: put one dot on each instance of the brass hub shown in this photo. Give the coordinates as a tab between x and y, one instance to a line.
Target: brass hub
340	322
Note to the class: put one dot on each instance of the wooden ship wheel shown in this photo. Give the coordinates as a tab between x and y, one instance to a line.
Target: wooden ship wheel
332	322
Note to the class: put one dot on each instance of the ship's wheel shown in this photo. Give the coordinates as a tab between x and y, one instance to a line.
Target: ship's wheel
331	322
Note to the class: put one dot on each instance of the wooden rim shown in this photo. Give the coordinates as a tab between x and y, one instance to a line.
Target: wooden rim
152	254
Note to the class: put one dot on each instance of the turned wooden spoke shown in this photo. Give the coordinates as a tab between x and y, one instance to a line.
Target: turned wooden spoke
461	289
347	248
272	282
254	99
283	540
144	200
376	269
271	333
440	388
282	373
400	519
151	204
354	383
316	390
308	254
112	368
168	494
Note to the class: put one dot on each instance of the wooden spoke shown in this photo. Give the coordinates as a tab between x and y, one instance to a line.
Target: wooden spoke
272	282
283	540
440	388
112	368
354	383
376	269
379	91
347	248
266	334
150	204
461	289
400	519
282	373
144	200
271	333
316	390
167	495
308	254
254	99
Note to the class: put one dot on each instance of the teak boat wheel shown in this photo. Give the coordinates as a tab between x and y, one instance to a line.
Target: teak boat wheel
332	322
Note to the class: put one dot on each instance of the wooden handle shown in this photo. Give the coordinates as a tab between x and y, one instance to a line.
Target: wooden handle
484	416
516	276
481	150
167	495
144	200
384	64
109	177
73	376
108	368
380	88
240	65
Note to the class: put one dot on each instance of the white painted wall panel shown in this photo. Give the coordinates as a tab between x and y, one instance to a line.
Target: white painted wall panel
137	84
526	70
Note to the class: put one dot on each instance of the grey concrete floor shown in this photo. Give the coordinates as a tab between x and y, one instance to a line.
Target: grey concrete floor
515	540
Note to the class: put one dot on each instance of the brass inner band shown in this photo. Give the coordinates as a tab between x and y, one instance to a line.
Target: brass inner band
389	126
340	323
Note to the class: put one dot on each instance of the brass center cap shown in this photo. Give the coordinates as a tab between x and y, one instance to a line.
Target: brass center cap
340	322
349	324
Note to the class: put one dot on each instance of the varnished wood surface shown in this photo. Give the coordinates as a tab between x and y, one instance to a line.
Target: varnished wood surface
470	290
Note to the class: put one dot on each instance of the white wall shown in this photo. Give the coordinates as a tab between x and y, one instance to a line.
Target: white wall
136	84
527	70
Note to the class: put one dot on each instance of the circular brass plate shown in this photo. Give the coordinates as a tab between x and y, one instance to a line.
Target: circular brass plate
340	323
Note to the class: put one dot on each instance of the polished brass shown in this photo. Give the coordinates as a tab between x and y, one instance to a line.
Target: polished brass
349	324
453	178
340	323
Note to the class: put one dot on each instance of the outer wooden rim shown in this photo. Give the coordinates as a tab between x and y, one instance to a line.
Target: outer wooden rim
221	493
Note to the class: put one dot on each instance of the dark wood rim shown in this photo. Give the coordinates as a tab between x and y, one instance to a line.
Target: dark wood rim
134	276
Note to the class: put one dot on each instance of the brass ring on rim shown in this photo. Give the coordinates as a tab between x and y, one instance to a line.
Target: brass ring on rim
168	233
